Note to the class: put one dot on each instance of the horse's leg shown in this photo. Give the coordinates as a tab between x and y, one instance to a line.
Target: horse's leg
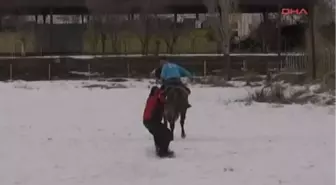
182	120
172	127
165	122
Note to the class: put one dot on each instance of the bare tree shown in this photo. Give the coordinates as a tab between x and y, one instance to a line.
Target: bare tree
220	11
170	31
104	23
146	24
112	27
143	31
95	27
101	27
23	29
145	28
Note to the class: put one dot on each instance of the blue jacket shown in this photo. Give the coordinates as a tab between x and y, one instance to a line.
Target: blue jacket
171	70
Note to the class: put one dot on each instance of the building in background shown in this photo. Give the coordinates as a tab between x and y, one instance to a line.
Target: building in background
241	24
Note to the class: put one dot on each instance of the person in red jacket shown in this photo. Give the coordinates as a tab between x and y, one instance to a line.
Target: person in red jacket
152	118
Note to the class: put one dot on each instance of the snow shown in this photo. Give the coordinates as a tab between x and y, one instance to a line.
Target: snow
59	133
84	73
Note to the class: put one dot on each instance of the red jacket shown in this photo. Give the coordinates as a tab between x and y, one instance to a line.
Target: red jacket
154	106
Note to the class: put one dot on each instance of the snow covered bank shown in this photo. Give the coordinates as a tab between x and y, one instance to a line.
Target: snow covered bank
291	94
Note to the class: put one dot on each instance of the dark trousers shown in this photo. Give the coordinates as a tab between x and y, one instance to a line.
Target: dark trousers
162	135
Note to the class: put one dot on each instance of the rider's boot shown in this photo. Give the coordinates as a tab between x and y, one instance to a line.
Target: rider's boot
188	90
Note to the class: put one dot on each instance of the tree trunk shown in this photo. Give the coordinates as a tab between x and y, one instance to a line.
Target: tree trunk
114	41
225	24
170	45
312	41
145	42
103	40
144	46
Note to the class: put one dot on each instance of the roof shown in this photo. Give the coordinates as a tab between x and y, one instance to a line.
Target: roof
127	6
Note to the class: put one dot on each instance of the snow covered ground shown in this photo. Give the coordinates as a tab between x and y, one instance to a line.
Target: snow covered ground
57	133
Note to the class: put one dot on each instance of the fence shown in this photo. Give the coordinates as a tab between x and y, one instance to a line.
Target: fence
88	67
325	62
297	64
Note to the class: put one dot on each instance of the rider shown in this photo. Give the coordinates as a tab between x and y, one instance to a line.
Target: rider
171	74
152	117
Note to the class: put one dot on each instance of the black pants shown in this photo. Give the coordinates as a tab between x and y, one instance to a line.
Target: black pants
162	135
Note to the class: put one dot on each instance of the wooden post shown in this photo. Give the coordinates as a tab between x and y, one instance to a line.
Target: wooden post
11	71
51	33
89	71
279	30
128	69
82	19
265	22
204	68
49	71
312	39
36	18
244	65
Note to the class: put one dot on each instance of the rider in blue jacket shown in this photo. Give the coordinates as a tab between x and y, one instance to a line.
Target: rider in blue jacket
171	71
171	74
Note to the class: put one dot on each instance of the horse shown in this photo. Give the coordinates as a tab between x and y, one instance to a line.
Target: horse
176	106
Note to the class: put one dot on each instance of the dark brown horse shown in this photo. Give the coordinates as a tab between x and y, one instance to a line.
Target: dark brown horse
176	107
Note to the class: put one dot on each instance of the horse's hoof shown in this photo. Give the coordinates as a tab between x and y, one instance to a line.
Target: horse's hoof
183	136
